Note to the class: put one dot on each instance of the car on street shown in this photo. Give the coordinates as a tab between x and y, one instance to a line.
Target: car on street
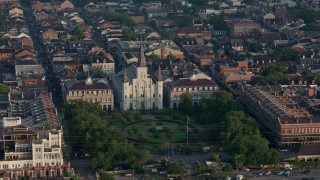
128	175
267	173
245	169
228	178
280	172
260	173
307	171
287	173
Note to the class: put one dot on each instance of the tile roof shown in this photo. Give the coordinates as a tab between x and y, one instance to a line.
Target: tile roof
83	86
309	149
182	82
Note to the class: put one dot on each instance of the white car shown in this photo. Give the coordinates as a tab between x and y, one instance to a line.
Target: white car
280	172
288	168
228	178
128	175
267	173
260	173
246	169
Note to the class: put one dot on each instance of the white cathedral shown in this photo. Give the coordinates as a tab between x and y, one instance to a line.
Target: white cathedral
136	89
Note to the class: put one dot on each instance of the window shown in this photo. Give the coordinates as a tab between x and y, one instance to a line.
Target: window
104	92
154	95
70	93
85	92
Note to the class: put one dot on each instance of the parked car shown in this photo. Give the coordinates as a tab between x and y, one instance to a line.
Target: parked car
287	173
288	168
267	173
307	171
260	173
128	175
280	172
228	178
245	169
239	177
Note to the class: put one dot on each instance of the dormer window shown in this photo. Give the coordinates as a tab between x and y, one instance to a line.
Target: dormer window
94	92
80	93
100	92
70	93
75	93
85	92
104	92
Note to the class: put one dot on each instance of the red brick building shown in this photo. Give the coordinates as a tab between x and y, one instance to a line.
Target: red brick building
6	54
287	124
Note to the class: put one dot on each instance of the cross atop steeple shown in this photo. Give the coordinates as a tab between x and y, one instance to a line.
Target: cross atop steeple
142	62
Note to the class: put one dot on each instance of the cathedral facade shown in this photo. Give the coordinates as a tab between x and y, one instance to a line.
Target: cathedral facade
136	89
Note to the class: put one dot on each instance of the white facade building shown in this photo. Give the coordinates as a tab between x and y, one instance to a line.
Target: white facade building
32	157
136	89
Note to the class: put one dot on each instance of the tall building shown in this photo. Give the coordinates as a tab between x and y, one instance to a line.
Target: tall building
33	153
136	89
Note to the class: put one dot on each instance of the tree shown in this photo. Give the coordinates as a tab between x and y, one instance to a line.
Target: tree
238	124
307	15
185	104
286	54
87	132
4	89
239	160
105	176
153	57
178	170
185	20
128	34
216	158
227	168
217	20
164	162
77	33
206	170
272	75
3	19
255	150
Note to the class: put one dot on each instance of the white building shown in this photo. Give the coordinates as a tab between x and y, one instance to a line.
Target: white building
136	89
34	154
11	121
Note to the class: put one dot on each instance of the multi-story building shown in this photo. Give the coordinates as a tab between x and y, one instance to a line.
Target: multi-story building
31	153
136	89
91	91
105	64
239	28
286	122
197	88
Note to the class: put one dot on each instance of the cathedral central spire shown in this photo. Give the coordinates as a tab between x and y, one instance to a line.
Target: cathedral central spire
142	62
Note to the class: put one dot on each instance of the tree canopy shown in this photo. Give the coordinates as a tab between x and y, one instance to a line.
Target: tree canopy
217	20
3	19
77	33
128	34
124	19
4	89
286	54
87	132
272	75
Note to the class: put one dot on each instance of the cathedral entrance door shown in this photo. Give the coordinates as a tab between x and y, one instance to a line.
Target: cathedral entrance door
142	106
